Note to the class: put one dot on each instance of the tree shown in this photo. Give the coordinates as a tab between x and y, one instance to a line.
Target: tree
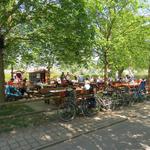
67	34
45	56
73	32
15	14
117	26
64	23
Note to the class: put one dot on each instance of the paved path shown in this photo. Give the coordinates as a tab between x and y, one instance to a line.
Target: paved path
56	132
123	136
133	134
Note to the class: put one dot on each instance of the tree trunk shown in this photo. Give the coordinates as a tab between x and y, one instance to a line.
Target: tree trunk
120	71
12	71
2	76
105	70
48	75
149	78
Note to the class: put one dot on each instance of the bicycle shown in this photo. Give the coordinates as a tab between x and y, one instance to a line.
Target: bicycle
104	102
72	106
113	100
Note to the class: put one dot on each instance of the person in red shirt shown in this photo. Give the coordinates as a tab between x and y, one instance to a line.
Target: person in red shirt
11	82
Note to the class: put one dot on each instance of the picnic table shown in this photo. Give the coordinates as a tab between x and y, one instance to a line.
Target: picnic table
125	84
60	94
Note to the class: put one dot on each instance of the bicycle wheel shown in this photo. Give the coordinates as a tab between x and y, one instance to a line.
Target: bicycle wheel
113	105
89	108
66	111
105	103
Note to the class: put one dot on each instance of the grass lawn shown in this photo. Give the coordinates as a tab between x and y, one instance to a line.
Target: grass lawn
141	74
7	76
19	122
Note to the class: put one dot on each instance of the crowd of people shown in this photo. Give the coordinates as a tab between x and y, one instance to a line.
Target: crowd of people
77	79
18	88
15	88
88	82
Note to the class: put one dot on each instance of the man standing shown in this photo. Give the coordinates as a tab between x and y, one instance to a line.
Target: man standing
62	78
68	76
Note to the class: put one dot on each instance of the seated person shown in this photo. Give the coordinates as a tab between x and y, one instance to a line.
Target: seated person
39	84
11	82
68	76
142	86
80	79
56	83
11	91
87	85
23	86
128	78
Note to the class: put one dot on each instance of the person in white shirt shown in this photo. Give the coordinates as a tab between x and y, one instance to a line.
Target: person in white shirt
87	84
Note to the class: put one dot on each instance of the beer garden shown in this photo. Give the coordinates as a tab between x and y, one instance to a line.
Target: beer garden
106	38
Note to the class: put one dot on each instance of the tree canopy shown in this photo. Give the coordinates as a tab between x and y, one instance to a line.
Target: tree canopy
120	37
73	32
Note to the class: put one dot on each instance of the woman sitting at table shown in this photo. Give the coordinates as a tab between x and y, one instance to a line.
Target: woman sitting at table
11	82
87	85
12	91
128	78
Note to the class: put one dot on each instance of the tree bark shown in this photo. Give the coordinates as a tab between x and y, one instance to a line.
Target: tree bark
105	69
149	78
12	70
120	71
2	76
48	75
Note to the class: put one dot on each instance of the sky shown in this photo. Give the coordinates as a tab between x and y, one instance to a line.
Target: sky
145	12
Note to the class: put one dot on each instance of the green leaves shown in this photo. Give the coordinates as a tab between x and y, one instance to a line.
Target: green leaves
69	31
120	36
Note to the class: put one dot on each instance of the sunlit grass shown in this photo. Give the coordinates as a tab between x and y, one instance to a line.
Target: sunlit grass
7	76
